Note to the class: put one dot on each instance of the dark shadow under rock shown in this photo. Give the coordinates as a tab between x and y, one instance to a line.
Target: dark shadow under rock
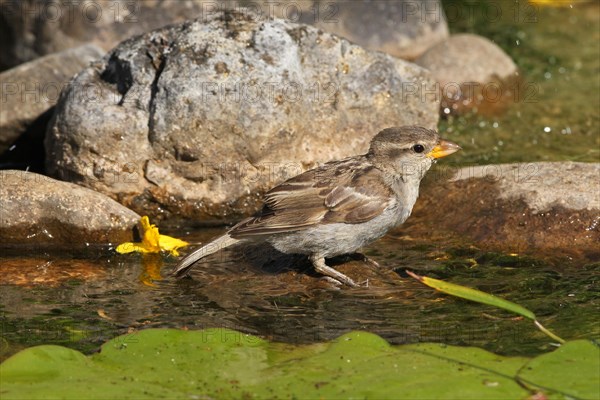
27	152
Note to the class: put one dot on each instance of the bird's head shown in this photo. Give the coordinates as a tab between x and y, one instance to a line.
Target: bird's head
408	151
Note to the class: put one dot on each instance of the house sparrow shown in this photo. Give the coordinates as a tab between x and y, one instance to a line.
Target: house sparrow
342	205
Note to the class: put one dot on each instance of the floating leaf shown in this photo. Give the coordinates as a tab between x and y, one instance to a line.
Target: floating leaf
220	363
481	297
561	371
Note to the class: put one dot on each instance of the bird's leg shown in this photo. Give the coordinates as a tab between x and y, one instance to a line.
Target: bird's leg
365	259
371	262
320	266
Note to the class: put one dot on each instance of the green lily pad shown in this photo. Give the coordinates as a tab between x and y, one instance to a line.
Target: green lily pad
564	371
220	363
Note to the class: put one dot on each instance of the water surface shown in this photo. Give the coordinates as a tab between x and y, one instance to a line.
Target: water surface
84	297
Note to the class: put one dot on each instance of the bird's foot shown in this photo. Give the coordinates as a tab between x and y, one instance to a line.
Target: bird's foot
363	258
371	262
337	283
321	267
334	282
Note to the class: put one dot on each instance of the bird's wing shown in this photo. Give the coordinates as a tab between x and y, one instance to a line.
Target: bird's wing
346	191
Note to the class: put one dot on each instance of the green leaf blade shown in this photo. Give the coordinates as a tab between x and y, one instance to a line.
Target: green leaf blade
474	295
484	298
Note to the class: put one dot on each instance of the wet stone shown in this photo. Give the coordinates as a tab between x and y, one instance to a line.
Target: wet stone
472	73
31	89
37	210
544	208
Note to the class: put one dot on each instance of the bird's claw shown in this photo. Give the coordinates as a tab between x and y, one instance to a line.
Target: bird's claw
333	281
371	262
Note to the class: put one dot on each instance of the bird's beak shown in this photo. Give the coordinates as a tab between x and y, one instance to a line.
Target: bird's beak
443	148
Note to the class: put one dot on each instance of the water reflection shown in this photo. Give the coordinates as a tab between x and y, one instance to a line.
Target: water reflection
82	299
280	297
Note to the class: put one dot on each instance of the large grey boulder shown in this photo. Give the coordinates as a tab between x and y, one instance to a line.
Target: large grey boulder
541	207
402	28
198	119
31	89
34	28
35	209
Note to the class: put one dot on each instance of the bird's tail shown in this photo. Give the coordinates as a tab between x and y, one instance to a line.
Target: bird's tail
188	262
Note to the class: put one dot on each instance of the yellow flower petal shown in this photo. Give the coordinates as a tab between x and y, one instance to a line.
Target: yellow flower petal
171	244
145	222
552	3
152	241
129	247
150	237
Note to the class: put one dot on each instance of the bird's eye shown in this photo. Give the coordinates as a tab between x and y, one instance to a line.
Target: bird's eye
418	148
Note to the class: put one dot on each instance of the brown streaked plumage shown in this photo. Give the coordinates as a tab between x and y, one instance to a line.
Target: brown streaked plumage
343	205
354	193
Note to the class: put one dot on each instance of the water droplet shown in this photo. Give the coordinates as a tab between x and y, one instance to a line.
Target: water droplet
495	124
547	129
547	75
446	110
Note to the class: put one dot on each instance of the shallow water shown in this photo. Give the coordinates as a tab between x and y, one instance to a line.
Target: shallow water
258	291
555	116
84	297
